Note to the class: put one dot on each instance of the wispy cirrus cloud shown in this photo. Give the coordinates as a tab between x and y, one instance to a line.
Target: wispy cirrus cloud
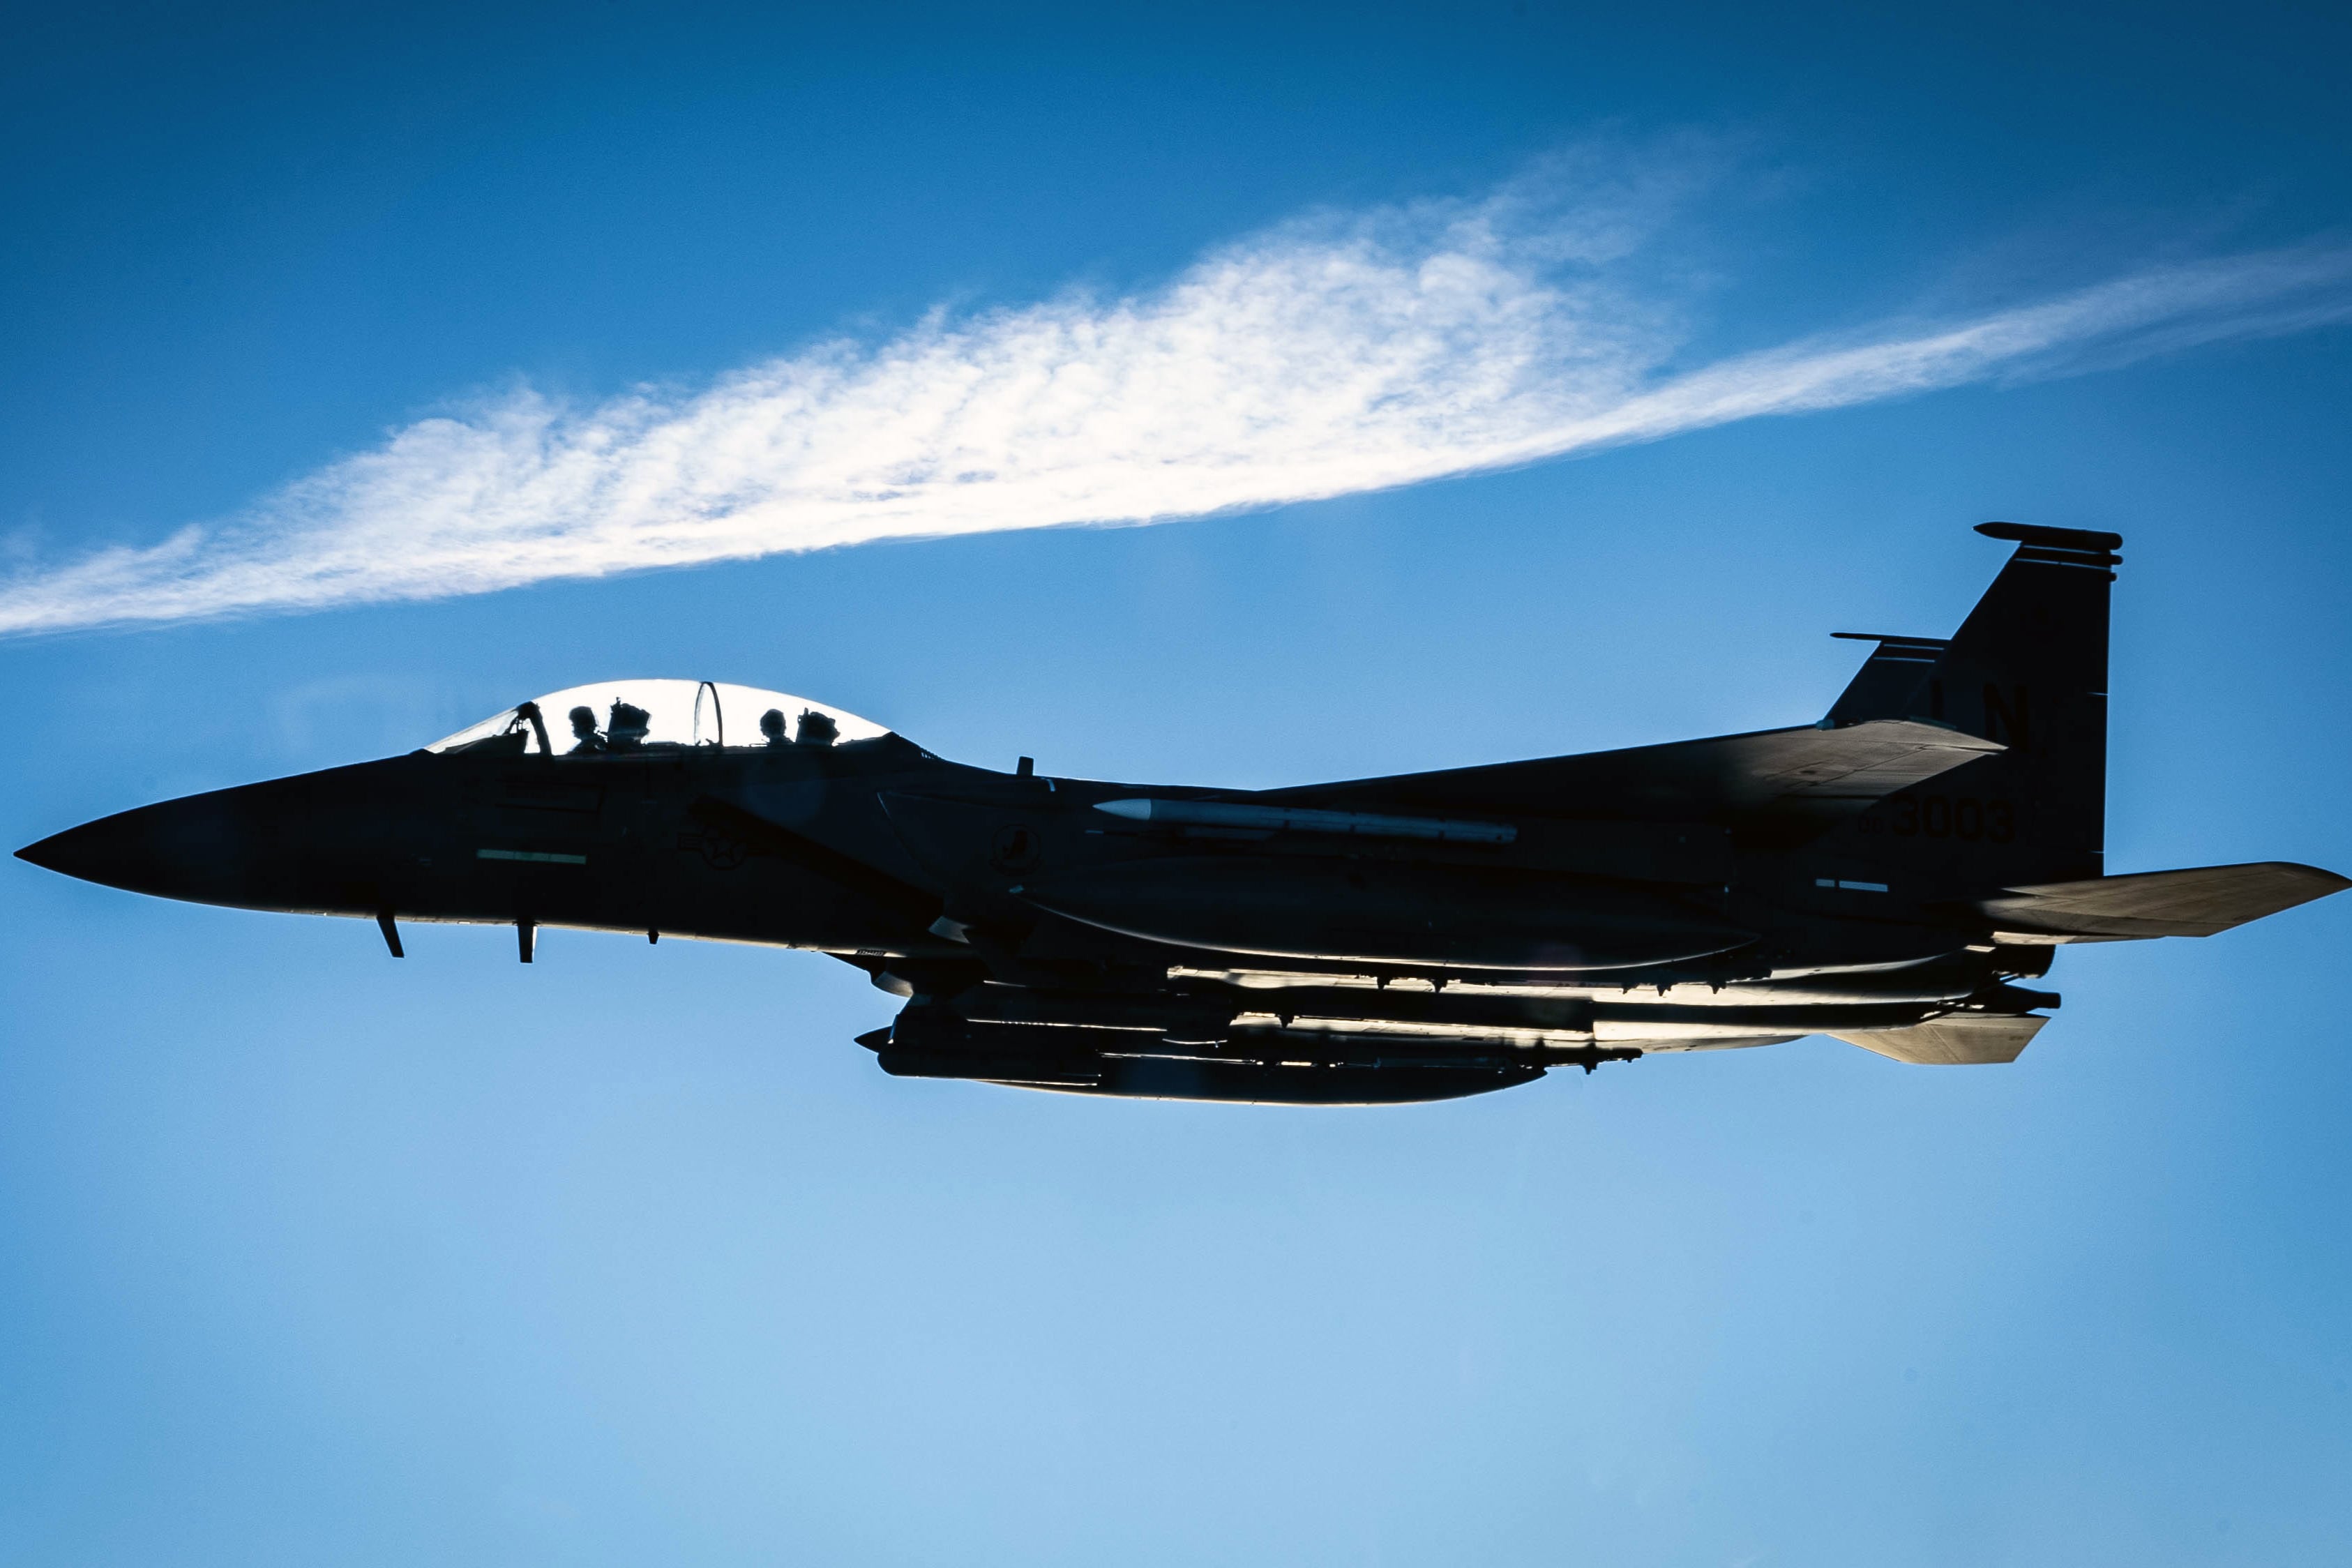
1337	354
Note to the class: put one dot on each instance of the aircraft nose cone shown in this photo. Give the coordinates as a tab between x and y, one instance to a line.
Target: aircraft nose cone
90	851
188	848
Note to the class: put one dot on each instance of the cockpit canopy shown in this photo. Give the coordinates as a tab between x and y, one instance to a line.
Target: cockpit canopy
622	716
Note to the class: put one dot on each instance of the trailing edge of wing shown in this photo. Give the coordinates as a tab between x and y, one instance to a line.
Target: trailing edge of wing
1797	768
2197	901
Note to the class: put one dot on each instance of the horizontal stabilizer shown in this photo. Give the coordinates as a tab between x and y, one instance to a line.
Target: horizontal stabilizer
1689	780
1963	1039
2195	902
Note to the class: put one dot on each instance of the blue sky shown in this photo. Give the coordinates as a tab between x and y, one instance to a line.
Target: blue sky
1556	378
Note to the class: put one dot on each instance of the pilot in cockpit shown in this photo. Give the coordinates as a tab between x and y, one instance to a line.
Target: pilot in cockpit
583	732
627	728
772	725
818	729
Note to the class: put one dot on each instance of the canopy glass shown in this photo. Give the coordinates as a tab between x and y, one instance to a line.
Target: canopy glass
621	716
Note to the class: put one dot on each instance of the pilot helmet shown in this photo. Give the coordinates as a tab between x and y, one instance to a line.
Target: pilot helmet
629	725
772	725
583	721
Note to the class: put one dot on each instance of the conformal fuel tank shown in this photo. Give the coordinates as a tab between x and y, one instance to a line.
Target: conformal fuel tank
1375	911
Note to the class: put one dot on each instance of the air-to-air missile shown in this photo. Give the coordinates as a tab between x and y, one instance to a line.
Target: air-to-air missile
1887	876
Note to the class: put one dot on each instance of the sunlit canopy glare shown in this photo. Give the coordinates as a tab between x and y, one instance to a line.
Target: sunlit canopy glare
630	715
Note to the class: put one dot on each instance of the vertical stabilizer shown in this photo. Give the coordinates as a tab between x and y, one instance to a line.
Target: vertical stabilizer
2027	668
1881	688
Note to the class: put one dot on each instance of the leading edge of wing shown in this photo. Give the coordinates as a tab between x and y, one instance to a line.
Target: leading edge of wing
1805	766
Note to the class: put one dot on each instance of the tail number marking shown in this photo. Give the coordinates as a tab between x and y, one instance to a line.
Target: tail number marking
1943	816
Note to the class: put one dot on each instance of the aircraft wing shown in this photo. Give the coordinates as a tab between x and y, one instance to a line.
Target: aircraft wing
1806	769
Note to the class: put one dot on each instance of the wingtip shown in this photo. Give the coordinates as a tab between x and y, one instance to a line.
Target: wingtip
1929	732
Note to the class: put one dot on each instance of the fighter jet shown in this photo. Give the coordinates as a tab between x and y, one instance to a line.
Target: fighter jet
1886	875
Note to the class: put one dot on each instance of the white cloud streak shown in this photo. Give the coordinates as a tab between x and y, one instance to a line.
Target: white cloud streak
1328	357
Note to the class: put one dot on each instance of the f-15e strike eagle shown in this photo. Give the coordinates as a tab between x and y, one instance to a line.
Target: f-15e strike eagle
1884	876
